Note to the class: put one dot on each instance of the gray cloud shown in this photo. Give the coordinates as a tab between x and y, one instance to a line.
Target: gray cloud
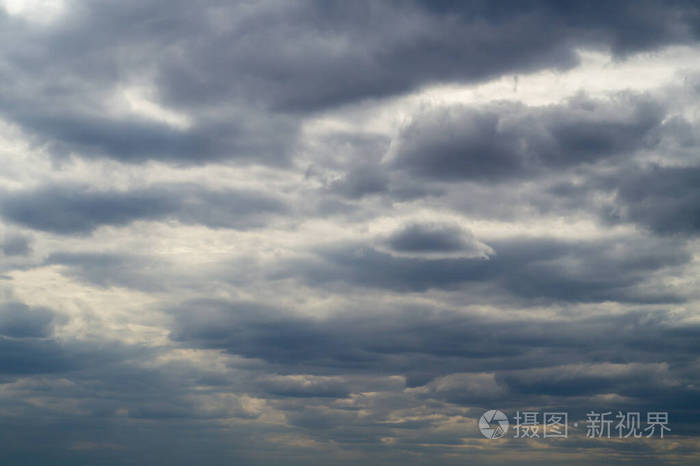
363	180
414	46
326	335
256	64
70	210
16	245
435	238
531	359
77	209
306	386
663	199
504	141
106	270
18	320
535	268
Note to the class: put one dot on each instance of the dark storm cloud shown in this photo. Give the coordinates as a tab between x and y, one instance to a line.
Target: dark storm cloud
310	56
18	320
330	53
79	210
92	54
586	379
537	269
34	356
432	347
86	385
530	358
626	26
433	237
345	342
306	387
262	139
27	345
238	69
70	210
663	199
387	345
504	140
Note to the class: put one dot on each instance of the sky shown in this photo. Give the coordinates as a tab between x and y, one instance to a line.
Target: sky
325	232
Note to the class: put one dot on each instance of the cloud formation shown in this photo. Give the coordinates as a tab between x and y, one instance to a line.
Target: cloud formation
509	140
338	232
78	209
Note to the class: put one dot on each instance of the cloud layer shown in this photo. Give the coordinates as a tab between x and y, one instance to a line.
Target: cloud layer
292	233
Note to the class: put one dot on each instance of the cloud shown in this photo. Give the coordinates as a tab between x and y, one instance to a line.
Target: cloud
242	73
482	358
336	54
81	210
338	232
306	386
18	320
436	238
529	268
506	140
16	245
133	140
588	379
106	270
70	210
662	199
363	180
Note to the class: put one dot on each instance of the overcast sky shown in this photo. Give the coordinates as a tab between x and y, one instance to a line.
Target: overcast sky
337	232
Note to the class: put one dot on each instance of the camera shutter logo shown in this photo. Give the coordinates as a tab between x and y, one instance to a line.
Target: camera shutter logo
493	424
